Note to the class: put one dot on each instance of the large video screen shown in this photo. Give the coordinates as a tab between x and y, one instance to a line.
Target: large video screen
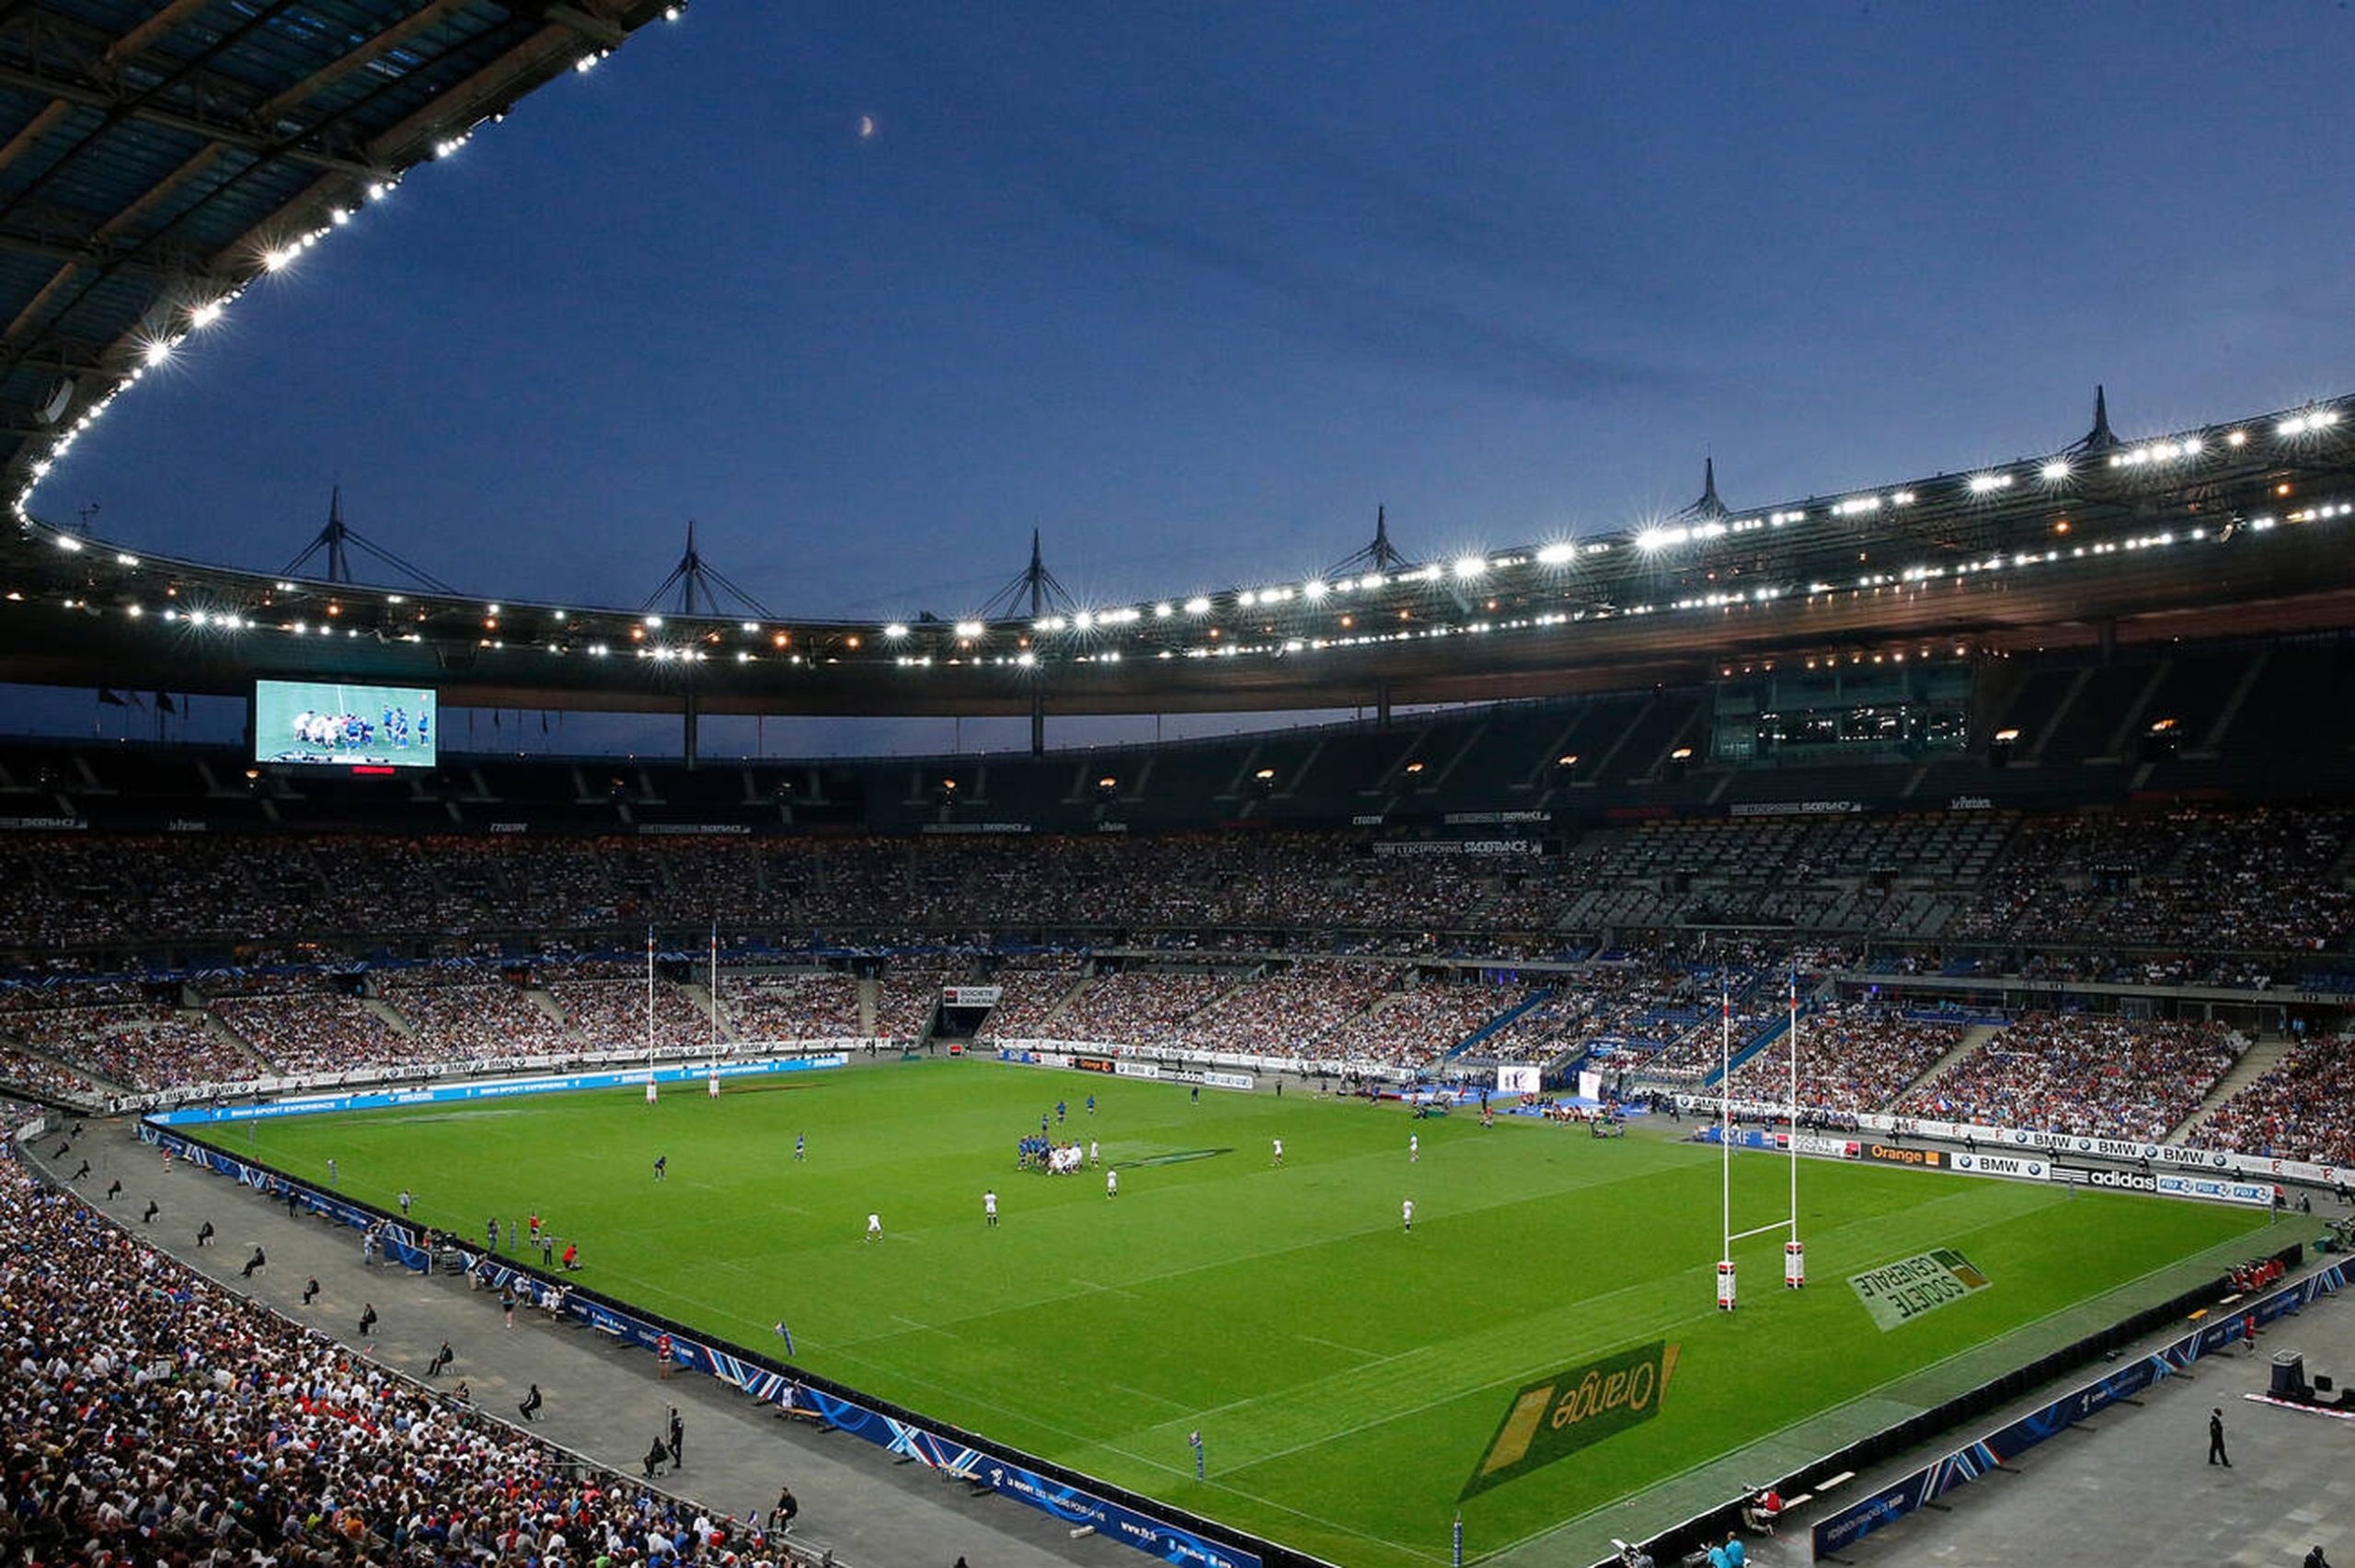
339	724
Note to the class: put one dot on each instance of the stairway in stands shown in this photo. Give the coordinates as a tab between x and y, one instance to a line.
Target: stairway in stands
391	1016
2255	1061
1973	1040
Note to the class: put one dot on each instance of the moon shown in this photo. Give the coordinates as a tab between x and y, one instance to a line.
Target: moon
866	126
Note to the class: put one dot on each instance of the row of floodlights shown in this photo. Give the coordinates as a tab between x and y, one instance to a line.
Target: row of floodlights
972	632
1911	578
969	631
158	349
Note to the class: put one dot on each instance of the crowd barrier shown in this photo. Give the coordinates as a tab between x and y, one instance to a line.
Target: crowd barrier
1982	1136
1125	1067
1919	1488
2028	1166
489	1089
1071	1498
1182	1056
383	1076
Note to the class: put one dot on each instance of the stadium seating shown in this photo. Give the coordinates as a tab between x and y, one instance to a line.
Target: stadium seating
2098	1077
147	962
1853	1058
387	1470
2301	1108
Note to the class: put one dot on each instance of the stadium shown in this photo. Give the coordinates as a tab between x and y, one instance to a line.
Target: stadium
1808	1000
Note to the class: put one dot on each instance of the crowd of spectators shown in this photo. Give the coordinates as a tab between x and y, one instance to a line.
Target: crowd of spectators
611	1015
136	1043
2201	880
1030	990
23	1073
1261	932
1418	1024
1620	1012
2219	971
1853	1058
906	995
462	1017
155	1418
314	1030
2088	1076
2303	1107
1292	1013
816	1006
2250	880
1139	1007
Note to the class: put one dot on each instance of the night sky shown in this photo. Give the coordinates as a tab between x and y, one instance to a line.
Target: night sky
1192	287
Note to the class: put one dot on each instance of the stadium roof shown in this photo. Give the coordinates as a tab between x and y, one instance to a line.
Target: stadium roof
156	157
2235	528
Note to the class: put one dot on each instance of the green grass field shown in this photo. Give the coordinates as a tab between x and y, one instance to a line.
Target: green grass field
1347	1378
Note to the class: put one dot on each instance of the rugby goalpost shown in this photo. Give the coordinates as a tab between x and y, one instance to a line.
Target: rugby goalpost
712	1056
1793	1251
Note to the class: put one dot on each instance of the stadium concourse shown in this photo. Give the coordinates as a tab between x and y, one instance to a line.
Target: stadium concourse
2133	1486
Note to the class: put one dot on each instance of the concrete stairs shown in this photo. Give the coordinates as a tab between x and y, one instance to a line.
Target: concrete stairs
699	997
391	1015
1974	1040
2255	1061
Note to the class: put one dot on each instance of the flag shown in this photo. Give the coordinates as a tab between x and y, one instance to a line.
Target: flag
785	1334
164	703
108	699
